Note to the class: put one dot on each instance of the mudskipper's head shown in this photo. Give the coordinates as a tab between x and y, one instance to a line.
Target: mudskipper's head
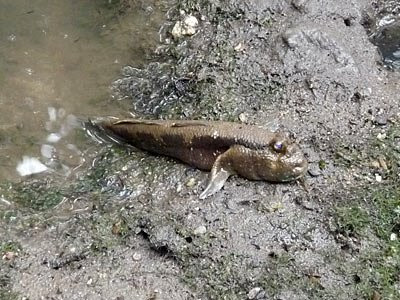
284	159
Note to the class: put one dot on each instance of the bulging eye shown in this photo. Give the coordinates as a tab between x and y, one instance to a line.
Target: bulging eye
278	147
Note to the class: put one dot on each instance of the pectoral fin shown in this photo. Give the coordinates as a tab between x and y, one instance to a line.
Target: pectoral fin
220	172
216	182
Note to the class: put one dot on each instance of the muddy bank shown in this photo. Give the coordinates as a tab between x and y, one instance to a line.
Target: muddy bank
133	227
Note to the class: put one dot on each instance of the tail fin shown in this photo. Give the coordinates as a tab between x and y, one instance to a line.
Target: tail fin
97	129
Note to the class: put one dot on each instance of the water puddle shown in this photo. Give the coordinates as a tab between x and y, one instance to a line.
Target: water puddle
387	39
57	61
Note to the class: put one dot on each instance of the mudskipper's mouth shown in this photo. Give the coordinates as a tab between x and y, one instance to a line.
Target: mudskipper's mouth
300	169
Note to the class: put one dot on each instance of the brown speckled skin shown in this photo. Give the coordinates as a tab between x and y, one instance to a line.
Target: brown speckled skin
246	150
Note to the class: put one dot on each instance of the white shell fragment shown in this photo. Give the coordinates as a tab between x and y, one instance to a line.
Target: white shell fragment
29	166
191	21
200	230
186	27
378	178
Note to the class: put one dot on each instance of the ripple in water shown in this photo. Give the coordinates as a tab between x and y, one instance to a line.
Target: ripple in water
57	154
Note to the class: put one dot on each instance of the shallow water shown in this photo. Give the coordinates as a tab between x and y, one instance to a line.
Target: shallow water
387	39
57	61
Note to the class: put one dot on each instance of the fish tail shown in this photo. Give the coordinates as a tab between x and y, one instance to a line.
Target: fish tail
100	129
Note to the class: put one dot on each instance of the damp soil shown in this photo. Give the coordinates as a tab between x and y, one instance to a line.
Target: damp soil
131	225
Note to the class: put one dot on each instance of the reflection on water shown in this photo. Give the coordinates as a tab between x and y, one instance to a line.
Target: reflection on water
57	151
57	60
387	39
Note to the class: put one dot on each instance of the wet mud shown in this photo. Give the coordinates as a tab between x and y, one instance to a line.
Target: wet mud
132	226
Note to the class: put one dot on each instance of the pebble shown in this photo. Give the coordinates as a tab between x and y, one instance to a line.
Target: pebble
200	230
136	256
238	47
381	120
261	296
191	182
382	163
314	171
177	31
90	281
243	117
378	178
386	21
10	255
253	293
381	136
375	164
191	21
186	27
299	4
376	296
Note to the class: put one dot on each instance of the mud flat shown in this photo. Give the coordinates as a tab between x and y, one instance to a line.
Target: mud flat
132	225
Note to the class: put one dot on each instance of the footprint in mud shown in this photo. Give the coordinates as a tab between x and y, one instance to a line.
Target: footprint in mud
58	154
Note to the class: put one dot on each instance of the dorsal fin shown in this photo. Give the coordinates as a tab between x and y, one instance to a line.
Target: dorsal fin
137	121
167	123
189	123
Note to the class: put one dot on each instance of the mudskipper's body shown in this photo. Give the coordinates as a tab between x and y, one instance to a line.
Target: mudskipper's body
225	148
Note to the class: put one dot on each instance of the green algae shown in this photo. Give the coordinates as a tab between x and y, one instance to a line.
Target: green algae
373	215
38	195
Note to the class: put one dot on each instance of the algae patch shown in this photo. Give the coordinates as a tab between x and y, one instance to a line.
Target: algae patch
10	246
372	216
351	220
38	195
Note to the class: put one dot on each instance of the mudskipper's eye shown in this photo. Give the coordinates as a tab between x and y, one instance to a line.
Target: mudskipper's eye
278	147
